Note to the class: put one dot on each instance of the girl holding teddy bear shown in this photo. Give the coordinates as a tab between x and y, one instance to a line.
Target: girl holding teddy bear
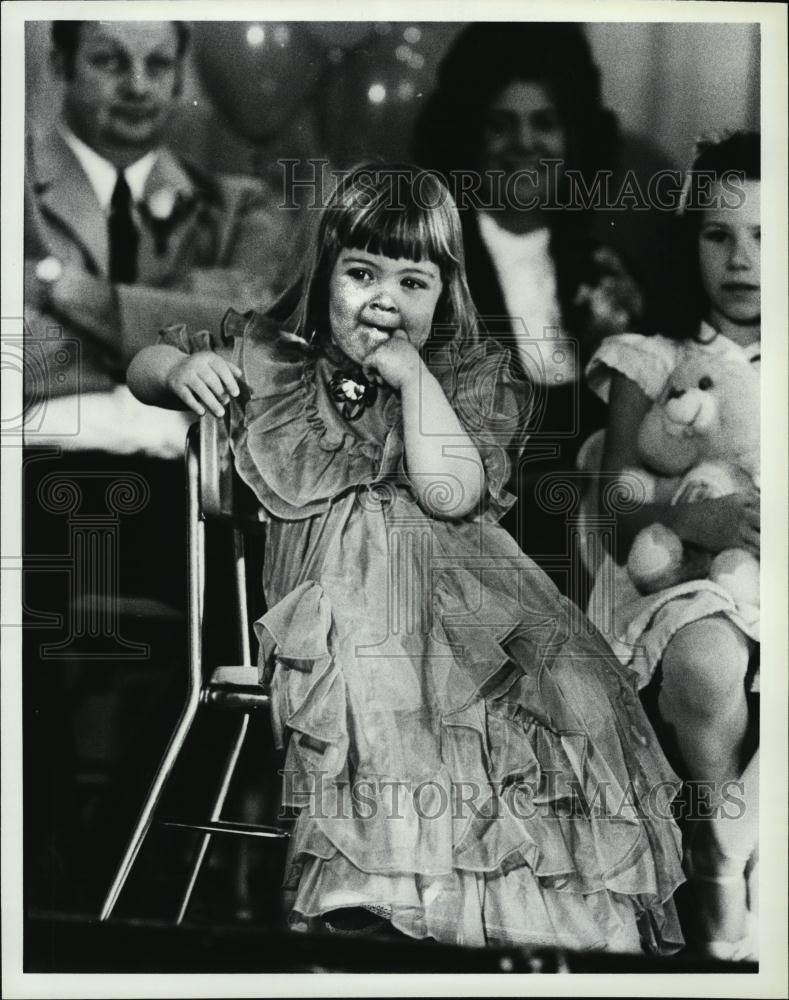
693	642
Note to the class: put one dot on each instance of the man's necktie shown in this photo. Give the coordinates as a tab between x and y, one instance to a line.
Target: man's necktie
124	238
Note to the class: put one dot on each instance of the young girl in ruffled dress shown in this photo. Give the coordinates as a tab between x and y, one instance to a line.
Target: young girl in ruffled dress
693	643
469	761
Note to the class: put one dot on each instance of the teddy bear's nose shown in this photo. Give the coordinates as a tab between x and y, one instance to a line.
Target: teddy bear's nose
675	393
705	382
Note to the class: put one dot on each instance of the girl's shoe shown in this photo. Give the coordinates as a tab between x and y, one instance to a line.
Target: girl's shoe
354	920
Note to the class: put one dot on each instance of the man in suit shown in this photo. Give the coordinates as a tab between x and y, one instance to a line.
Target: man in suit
121	239
121	236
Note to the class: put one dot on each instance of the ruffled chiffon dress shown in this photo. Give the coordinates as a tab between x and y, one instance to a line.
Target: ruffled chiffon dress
467	757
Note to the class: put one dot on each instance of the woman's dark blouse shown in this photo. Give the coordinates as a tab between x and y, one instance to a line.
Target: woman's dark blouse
561	417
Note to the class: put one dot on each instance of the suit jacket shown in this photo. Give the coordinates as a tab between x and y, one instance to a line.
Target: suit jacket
224	243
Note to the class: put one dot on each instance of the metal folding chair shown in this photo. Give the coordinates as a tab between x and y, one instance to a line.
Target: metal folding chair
214	494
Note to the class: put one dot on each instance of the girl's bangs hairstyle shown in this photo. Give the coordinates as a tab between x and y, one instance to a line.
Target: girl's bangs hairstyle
399	211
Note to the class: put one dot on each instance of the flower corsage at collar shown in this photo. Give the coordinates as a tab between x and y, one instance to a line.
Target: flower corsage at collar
353	392
162	210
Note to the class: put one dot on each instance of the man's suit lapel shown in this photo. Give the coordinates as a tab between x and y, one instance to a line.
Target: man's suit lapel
167	179
67	201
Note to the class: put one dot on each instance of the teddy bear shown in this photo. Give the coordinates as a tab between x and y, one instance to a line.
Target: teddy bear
699	440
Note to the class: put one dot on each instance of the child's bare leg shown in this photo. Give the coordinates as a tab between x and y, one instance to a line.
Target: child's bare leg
716	861
703	698
735	827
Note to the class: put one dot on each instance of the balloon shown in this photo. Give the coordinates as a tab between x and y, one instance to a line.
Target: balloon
257	73
340	34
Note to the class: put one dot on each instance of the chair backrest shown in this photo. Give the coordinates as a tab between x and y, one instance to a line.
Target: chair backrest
217	494
223	496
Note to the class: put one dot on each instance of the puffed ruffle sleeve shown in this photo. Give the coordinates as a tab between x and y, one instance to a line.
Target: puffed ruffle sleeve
188	341
492	402
291	445
647	361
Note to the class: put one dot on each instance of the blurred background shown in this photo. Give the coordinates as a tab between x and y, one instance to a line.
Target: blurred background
258	91
255	93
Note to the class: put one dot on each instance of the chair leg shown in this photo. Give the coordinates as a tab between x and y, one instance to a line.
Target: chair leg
239	552
216	812
152	800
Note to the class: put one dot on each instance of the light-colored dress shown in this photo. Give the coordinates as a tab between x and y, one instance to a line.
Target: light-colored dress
467	757
640	626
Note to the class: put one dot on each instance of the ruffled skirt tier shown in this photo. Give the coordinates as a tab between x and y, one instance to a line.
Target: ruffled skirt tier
474	770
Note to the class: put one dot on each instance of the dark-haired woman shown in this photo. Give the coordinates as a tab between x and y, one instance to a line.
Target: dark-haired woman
518	129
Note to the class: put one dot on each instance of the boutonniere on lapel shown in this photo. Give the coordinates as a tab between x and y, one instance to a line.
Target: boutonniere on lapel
162	210
354	392
610	297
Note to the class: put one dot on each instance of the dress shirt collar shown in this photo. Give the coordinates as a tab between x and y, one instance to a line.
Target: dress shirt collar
103	175
501	242
708	334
